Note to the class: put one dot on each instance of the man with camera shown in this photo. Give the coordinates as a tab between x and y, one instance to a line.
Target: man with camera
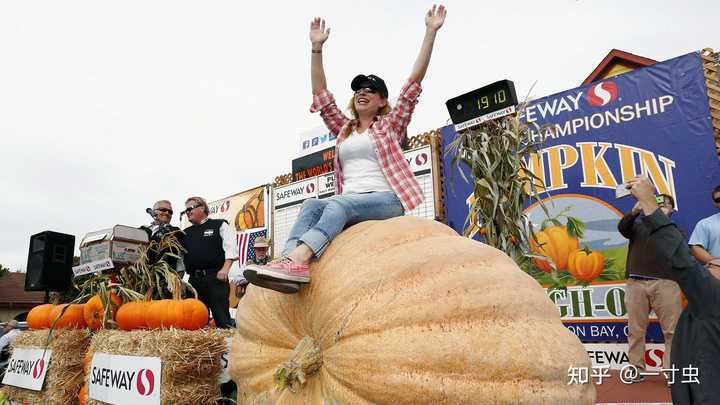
696	345
649	286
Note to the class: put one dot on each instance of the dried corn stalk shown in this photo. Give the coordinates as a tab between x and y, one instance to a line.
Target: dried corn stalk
497	152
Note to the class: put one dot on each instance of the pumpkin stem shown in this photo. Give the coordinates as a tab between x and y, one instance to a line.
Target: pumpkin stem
306	360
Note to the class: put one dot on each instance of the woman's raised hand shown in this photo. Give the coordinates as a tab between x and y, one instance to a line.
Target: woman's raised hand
318	33
435	17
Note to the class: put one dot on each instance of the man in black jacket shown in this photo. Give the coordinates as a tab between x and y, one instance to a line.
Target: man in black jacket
160	226
649	286
211	247
696	346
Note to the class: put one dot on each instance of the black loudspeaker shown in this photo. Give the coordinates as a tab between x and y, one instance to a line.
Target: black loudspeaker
50	260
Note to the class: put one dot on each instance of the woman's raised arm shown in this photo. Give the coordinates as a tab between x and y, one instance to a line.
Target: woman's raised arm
318	36
434	19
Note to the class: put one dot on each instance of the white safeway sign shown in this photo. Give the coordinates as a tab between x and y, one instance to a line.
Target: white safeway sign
125	379
27	368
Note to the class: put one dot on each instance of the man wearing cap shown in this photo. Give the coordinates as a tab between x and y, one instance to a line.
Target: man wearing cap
10	330
162	213
260	247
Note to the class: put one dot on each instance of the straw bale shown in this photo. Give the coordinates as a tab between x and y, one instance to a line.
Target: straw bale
191	360
64	376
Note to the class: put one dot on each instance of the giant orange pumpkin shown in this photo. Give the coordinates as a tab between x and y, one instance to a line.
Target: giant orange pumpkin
39	316
555	243
71	318
586	265
131	316
405	311
93	312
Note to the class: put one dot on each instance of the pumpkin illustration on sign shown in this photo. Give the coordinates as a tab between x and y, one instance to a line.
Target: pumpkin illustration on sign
252	214
586	265
556	242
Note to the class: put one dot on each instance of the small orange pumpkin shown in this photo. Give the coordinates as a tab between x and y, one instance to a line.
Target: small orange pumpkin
131	316
87	361
586	265
71	318
194	316
93	312
83	395
39	316
555	243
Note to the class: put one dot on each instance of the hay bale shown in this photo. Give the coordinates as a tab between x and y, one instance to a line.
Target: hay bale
64	376
191	360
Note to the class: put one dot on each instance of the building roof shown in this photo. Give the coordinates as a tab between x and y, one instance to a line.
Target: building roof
617	62
13	294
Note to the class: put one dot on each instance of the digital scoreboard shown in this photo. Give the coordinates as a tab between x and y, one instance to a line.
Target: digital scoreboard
486	103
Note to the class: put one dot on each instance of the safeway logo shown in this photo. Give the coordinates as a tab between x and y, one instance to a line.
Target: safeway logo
653	357
145	382
421	159
38	369
602	94
310	188
225	206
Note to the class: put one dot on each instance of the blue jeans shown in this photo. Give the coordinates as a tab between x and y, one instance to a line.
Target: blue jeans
320	221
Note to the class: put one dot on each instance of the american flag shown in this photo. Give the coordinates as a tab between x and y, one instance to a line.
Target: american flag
246	240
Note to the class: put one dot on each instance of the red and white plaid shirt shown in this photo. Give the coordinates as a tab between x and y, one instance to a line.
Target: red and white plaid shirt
386	133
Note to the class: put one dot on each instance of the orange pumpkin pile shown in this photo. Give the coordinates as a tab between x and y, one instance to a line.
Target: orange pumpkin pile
556	243
189	314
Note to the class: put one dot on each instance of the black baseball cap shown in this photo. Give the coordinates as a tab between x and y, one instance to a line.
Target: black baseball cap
370	81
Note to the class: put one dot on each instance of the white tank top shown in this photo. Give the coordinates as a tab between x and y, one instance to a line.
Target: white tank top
360	165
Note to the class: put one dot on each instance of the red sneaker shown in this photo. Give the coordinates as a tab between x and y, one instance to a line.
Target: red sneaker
282	269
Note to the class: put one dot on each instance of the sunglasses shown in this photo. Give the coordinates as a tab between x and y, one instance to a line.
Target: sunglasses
367	90
717	200
188	209
166	210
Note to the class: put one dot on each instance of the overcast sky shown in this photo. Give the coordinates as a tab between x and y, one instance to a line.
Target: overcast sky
106	107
